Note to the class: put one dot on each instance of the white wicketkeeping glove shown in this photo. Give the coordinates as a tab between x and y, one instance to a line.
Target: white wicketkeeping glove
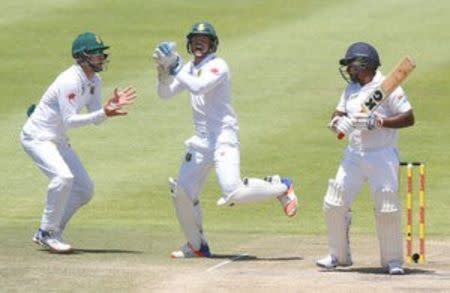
165	54
341	124
365	121
163	75
176	67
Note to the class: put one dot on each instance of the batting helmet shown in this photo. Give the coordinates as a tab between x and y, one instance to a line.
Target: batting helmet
87	43
203	28
364	53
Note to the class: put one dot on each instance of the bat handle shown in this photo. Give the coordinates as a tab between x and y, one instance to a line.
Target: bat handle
341	135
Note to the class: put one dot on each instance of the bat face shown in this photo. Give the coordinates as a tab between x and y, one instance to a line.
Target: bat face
373	100
389	84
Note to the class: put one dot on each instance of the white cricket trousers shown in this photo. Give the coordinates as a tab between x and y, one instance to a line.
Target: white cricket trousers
197	163
70	185
380	169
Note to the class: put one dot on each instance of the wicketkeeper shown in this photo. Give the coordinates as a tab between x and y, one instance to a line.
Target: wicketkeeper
44	135
371	156
215	143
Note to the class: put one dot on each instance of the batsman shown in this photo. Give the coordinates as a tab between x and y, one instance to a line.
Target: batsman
215	142
371	156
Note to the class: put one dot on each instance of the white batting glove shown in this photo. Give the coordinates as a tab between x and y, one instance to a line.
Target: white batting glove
341	124
332	124
365	121
165	54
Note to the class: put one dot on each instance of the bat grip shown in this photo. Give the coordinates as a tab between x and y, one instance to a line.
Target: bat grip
340	135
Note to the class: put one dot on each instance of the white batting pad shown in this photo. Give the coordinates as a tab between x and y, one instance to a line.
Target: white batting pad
188	214
254	190
388	222
338	219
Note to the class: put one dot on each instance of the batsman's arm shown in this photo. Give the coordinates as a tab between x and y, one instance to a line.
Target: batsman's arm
338	113
401	120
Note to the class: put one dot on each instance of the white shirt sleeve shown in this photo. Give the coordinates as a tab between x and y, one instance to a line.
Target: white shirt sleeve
95	104
210	77
170	89
70	103
341	104
398	101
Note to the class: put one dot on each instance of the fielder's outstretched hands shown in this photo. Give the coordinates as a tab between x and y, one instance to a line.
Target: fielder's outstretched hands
119	99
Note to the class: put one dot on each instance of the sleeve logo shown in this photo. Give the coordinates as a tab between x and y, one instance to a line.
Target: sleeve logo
215	70
71	97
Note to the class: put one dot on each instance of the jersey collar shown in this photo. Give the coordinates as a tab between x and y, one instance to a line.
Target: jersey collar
204	61
377	79
82	75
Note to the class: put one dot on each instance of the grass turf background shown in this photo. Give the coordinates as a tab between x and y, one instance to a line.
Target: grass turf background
283	59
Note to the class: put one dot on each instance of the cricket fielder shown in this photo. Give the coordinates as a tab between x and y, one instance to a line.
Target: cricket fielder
371	156
44	135
215	142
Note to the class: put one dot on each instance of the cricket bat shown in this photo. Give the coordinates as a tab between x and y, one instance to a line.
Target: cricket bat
380	94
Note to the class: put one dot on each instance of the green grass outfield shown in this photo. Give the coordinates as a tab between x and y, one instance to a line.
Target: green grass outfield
283	59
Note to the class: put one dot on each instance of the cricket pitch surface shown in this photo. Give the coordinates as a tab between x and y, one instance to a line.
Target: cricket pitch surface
260	263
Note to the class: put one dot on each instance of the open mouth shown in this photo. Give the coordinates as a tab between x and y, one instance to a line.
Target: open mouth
199	47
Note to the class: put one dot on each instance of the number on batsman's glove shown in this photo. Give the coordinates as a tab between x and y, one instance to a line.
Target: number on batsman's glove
166	56
365	121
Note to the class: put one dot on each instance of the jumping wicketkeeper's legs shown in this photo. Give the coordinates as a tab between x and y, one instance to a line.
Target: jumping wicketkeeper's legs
250	190
185	196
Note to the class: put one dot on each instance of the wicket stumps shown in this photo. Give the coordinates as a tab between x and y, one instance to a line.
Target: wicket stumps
416	257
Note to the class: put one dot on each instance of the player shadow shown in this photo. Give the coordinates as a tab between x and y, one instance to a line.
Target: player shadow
381	271
93	251
105	251
244	257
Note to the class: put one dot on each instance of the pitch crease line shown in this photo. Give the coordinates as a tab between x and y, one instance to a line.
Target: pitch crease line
226	262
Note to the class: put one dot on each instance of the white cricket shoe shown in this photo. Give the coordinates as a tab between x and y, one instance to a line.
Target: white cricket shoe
330	262
36	236
288	200
395	268
187	251
51	241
